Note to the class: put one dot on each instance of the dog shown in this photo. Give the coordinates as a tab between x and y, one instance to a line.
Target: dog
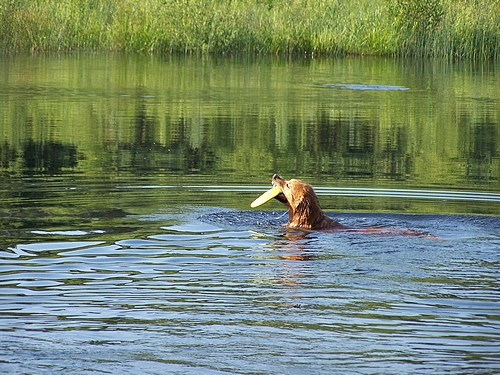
305	213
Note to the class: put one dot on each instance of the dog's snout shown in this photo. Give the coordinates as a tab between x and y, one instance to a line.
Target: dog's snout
276	177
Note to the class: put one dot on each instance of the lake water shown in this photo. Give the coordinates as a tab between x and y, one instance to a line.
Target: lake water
127	244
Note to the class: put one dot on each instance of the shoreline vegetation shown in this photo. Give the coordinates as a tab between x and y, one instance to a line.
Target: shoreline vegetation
453	29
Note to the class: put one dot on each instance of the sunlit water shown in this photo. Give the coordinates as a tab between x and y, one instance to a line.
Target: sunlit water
127	244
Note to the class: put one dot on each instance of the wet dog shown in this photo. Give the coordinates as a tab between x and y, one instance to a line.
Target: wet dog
304	211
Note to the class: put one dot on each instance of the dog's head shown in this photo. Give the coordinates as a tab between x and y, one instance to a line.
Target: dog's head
301	200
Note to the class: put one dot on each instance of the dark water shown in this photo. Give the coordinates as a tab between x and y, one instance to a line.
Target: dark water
127	244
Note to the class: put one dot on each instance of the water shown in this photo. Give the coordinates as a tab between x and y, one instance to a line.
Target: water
127	244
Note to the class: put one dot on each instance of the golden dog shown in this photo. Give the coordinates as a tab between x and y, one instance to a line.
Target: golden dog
304	211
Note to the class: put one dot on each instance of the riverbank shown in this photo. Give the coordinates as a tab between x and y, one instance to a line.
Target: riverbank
455	29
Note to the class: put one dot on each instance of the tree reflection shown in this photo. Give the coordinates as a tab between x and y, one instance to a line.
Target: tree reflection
252	118
48	156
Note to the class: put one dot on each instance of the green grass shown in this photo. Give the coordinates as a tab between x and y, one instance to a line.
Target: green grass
462	29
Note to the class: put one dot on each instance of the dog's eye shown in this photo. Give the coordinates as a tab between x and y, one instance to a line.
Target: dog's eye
288	185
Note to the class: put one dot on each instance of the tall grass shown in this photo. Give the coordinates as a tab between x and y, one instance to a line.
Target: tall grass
444	28
457	28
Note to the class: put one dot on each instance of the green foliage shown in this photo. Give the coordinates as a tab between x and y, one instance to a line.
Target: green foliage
446	28
416	16
452	28
415	22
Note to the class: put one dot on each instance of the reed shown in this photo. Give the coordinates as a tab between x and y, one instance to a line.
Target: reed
436	28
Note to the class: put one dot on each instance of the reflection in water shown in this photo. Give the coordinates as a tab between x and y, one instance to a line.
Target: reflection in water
126	238
48	157
220	117
354	86
296	246
480	145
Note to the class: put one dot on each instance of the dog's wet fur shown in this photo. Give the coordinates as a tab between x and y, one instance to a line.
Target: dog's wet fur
304	210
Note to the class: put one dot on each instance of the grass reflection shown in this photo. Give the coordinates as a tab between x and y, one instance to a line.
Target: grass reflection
241	120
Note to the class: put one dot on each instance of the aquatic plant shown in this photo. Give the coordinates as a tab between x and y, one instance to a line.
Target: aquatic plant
460	29
438	28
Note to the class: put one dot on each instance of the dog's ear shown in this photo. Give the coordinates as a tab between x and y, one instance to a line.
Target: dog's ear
308	206
303	207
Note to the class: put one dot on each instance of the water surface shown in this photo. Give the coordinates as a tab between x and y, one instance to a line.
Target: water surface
127	244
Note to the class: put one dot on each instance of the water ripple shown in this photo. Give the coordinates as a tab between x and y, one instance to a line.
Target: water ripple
252	294
347	191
